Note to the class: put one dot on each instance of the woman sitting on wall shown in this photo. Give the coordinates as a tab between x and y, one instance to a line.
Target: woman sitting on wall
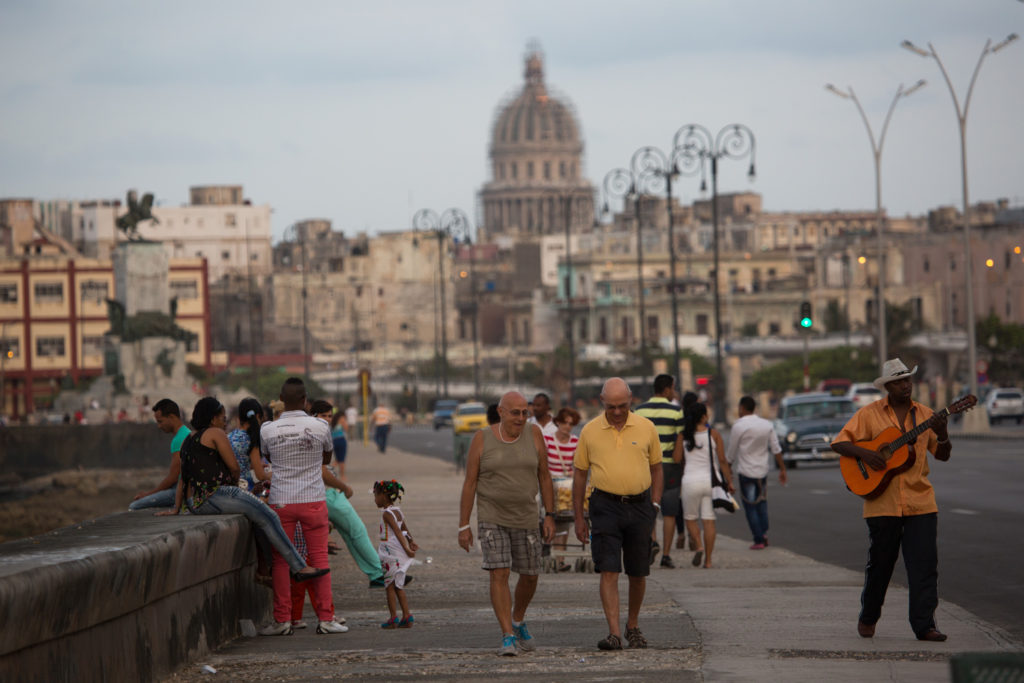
209	472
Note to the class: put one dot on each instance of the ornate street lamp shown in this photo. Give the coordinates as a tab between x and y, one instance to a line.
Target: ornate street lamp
974	418
695	148
622	184
653	167
451	222
876	149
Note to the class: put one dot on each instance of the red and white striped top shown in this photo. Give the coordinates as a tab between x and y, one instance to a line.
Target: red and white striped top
560	454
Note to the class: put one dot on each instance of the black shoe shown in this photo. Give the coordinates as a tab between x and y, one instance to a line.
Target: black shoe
299	577
377	583
654	551
667	562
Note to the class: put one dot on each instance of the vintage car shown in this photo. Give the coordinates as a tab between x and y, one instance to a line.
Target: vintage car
807	423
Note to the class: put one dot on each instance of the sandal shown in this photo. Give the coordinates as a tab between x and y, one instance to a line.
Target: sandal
390	623
332	548
636	638
612	642
406	622
698	556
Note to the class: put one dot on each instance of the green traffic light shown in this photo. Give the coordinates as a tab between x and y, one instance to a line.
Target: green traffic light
805	322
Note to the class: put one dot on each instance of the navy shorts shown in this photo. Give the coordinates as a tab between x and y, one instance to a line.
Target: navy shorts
620	533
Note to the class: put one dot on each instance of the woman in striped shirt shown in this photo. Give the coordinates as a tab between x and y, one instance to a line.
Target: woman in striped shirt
562	444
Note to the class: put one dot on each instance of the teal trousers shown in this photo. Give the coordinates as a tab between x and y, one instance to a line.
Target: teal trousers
347	523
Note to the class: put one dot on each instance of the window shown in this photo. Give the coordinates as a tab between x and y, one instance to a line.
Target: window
602	330
584	329
49	292
92	345
515	170
926	266
10	347
8	293
225	255
773	328
561	169
49	347
229	220
94	290
184	289
702	323
192	345
547	170
529	169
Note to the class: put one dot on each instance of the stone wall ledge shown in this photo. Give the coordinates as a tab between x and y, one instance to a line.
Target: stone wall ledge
128	596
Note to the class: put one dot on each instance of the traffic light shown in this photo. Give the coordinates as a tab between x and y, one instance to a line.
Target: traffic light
805	315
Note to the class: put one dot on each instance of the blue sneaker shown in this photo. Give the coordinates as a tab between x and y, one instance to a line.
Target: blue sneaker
508	646
523	637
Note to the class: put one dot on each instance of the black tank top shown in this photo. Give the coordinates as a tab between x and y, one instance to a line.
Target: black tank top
202	469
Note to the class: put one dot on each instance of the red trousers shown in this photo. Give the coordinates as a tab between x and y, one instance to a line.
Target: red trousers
313	517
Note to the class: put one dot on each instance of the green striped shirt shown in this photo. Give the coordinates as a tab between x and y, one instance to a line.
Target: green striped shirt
668	419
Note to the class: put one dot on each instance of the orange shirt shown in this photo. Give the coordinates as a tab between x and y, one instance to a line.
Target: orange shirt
908	493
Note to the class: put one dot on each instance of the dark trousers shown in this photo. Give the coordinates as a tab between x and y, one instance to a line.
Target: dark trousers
916	535
754	494
381	437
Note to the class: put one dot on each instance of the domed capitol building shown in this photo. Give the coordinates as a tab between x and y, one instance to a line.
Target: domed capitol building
536	156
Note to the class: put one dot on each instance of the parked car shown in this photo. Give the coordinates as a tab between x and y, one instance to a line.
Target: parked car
469	417
836	387
863	393
1005	404
807	423
443	409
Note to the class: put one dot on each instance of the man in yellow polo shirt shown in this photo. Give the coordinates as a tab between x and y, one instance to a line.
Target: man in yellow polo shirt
622	453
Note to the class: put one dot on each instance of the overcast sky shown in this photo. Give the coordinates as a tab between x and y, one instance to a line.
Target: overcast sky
365	112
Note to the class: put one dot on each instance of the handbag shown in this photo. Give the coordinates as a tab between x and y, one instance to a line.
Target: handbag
720	496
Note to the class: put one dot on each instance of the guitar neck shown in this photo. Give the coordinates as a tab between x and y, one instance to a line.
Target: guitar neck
919	429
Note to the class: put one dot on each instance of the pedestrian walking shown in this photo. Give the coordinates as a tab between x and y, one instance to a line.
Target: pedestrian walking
507	465
702	445
668	420
621	452
752	445
904	516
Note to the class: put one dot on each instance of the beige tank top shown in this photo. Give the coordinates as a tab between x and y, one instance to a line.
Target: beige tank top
506	490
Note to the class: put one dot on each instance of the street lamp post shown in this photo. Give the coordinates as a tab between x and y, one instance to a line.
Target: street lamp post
653	165
473	312
696	148
876	150
621	183
974	418
442	226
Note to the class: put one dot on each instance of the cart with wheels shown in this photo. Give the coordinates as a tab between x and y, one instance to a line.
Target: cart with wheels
566	552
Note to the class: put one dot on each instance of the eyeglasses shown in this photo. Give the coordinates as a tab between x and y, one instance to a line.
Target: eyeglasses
517	413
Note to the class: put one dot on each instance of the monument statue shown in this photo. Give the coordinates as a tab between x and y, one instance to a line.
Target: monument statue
138	212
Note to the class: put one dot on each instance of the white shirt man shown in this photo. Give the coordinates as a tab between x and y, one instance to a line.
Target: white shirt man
298	446
752	442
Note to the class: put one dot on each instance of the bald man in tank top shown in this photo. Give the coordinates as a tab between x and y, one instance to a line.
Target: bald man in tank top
506	466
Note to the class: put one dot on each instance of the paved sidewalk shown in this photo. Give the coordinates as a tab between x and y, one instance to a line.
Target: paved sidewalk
766	615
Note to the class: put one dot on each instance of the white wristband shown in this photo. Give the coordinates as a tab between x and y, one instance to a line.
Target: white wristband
657	505
464	528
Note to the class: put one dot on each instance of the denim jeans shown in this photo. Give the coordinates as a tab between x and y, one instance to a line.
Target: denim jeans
231	500
754	493
380	436
160	499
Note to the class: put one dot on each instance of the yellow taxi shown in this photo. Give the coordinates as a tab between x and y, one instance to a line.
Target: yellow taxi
469	417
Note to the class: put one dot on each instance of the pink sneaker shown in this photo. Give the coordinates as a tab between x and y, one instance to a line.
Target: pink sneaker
757	546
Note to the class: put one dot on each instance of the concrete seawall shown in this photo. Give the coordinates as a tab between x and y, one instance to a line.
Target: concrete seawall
33	451
129	596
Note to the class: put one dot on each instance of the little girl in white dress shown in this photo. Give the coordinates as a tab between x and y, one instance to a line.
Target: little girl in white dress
396	551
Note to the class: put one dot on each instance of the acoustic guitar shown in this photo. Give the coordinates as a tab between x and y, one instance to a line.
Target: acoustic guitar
891	444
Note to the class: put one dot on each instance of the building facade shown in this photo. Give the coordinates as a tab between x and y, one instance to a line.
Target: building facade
53	323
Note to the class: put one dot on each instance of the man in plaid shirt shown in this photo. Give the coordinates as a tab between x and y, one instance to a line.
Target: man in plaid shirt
298	446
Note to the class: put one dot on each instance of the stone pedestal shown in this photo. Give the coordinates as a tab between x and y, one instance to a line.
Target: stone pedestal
153	364
140	277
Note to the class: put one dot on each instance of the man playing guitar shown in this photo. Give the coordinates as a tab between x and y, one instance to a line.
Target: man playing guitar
904	514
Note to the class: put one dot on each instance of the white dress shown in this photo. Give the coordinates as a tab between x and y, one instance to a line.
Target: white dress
393	559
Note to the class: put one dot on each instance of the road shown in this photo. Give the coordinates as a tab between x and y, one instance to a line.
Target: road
981	514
